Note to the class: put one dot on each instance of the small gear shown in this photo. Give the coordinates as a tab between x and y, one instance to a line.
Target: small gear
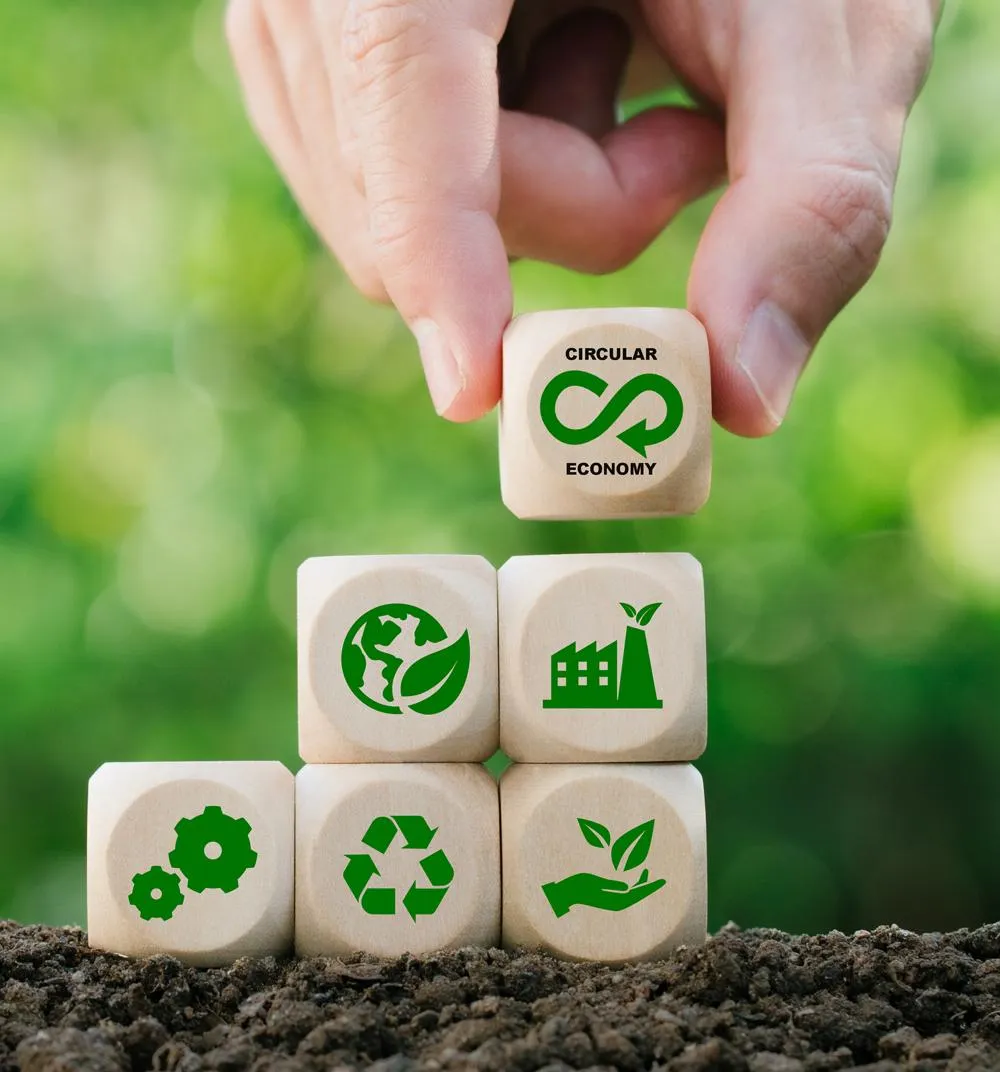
222	869
156	894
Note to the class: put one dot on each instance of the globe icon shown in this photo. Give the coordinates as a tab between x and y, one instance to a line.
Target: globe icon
397	658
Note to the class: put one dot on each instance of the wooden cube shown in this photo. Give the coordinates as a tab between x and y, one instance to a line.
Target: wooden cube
191	859
605	413
397	659
392	859
602	658
603	862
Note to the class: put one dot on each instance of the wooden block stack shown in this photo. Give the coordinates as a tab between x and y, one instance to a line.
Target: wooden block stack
606	413
397	823
589	670
602	700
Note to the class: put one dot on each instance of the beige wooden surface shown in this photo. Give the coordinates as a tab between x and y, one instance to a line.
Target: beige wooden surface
548	603
647	906
133	810
336	806
335	726
535	466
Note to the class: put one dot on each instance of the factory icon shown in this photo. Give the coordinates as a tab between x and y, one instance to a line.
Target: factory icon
592	677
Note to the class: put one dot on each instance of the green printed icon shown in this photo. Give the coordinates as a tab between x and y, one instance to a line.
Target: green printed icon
638	436
589	677
398	658
416	835
628	852
156	894
212	851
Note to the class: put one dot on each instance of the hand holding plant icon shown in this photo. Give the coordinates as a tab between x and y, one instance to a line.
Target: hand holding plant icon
609	894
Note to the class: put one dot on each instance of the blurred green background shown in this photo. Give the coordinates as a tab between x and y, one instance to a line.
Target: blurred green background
192	400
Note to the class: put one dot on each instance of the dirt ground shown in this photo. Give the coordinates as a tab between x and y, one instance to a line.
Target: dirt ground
758	1000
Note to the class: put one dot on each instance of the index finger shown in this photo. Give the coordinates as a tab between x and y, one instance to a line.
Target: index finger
423	90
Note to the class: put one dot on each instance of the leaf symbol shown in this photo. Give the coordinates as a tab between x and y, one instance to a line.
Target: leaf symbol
597	835
629	609
438	678
632	848
645	616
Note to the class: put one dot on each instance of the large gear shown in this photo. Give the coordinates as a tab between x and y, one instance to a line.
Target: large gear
156	894
234	858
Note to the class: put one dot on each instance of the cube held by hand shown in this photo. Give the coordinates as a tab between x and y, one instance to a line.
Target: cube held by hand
605	413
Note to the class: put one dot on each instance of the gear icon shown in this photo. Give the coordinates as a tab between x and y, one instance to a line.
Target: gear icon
213	850
156	894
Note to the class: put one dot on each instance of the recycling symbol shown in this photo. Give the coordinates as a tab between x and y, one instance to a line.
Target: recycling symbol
417	834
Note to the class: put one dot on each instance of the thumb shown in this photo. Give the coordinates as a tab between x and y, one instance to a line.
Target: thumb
813	152
423	93
780	257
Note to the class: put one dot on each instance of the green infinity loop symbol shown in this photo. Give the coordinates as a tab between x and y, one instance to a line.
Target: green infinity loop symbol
639	436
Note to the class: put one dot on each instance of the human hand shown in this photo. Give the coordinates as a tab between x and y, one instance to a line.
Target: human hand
385	120
610	894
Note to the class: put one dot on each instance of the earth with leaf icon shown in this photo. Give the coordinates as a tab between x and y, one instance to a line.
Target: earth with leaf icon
398	658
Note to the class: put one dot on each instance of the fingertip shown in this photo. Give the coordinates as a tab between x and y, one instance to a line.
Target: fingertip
747	272
463	380
472	403
754	382
737	404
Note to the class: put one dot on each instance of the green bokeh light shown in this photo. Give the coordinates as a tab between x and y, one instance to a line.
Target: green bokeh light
192	400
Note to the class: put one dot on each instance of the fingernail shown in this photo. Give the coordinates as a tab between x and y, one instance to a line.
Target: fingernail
772	354
444	379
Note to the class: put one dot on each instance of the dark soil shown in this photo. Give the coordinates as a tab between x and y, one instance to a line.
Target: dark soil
755	1000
